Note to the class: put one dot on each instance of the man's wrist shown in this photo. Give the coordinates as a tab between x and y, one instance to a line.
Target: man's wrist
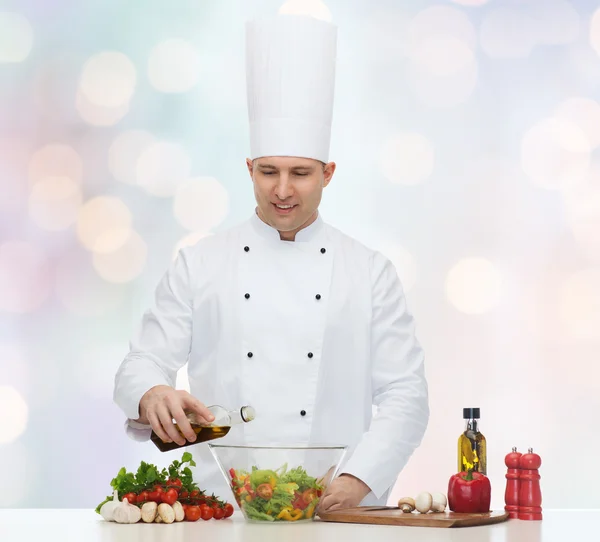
357	481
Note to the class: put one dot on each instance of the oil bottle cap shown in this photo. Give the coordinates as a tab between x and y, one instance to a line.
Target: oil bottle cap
471	413
248	413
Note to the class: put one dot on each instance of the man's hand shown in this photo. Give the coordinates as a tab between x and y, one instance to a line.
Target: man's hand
161	404
346	491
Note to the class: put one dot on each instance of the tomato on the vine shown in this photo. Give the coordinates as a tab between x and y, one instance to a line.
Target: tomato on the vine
219	513
143	497
206	512
228	510
169	496
192	513
131	497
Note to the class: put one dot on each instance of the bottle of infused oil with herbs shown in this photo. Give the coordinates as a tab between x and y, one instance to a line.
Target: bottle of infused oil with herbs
219	427
472	444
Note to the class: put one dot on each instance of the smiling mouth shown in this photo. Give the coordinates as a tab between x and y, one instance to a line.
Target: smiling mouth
283	209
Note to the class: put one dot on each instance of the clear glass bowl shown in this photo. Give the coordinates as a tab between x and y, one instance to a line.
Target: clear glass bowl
273	484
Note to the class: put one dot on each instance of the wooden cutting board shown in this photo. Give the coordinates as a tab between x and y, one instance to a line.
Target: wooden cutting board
387	515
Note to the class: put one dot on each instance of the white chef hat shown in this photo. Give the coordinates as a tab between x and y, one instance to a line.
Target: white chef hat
290	77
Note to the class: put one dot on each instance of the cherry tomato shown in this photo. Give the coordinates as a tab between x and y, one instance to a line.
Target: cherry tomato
176	482
192	513
169	496
219	513
228	510
206	512
143	497
194	494
131	498
154	496
184	494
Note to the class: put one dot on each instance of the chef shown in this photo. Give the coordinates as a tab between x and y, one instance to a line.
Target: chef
284	312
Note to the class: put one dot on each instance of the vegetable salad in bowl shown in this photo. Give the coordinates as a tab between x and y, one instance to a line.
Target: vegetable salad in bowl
281	494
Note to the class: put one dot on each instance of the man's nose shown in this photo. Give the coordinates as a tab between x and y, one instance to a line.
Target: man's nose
284	189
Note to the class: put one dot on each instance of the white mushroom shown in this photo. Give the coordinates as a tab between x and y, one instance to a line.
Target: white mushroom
439	502
406	504
166	512
149	510
423	502
179	512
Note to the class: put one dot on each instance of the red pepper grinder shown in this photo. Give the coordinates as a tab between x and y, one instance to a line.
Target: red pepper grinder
530	495
513	483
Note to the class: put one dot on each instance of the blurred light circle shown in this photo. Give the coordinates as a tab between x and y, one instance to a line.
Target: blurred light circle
108	79
13	414
162	167
555	153
55	160
97	115
189	240
24	277
507	33
580	304
471	2
582	211
104	224
595	31
22	474
81	290
387	30
585	113
442	56
404	263
54	203
15	367
556	22
314	8
16	37
124	153
14	156
201	204
124	264
174	66
473	285
407	158
439	22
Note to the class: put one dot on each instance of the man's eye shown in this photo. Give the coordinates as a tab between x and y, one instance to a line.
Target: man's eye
302	174
268	173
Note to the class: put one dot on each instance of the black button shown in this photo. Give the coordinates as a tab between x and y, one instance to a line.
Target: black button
247	249
318	296
310	354
323	251
247	296
250	354
303	413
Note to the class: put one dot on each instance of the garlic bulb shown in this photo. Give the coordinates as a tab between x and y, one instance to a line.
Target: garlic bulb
109	507
127	513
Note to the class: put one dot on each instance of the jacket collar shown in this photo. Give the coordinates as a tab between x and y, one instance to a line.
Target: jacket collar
310	233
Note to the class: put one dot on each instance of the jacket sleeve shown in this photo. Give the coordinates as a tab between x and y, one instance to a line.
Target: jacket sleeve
398	385
162	342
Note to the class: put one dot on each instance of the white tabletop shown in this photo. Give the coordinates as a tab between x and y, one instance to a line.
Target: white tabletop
65	525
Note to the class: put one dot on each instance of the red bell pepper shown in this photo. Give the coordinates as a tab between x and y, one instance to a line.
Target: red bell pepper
469	492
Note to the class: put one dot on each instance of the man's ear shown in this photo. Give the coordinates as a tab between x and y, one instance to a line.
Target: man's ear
328	172
250	166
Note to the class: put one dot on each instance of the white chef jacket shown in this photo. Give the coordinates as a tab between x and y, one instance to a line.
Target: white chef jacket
311	333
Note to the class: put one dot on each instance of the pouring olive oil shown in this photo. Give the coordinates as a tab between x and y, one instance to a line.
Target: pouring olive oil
220	427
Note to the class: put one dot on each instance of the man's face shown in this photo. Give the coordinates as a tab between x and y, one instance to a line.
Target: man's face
288	190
